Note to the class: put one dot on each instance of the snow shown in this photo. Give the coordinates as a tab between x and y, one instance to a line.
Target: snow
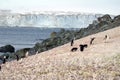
48	19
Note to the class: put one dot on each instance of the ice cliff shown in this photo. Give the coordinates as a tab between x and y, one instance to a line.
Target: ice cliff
47	19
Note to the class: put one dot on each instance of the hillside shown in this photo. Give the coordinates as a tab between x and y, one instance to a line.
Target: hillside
100	61
64	36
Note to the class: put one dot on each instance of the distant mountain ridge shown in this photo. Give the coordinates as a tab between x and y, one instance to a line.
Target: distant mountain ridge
47	19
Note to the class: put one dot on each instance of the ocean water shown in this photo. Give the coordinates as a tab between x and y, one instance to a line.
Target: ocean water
21	37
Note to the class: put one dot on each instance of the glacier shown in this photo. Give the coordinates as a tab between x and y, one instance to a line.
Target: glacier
47	19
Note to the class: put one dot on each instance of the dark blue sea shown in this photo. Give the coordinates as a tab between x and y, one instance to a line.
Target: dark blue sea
22	37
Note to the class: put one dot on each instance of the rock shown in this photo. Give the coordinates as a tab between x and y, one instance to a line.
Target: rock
116	20
53	34
32	51
7	48
105	18
22	52
95	22
102	23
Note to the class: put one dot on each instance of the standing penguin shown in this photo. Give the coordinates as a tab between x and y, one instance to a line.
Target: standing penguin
0	67
106	38
4	59
17	57
91	41
72	41
26	54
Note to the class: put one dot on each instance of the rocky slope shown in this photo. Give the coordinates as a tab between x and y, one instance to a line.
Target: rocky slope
64	36
100	61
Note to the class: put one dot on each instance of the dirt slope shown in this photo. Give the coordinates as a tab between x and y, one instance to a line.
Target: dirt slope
100	61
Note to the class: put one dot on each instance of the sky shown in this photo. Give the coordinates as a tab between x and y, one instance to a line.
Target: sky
90	6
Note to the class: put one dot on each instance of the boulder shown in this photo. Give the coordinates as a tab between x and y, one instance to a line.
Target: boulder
117	18
22	52
105	18
116	21
102	23
7	48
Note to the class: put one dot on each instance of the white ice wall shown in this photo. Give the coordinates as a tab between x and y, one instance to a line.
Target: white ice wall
64	20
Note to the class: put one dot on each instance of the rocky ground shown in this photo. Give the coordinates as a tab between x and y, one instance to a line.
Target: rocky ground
100	61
